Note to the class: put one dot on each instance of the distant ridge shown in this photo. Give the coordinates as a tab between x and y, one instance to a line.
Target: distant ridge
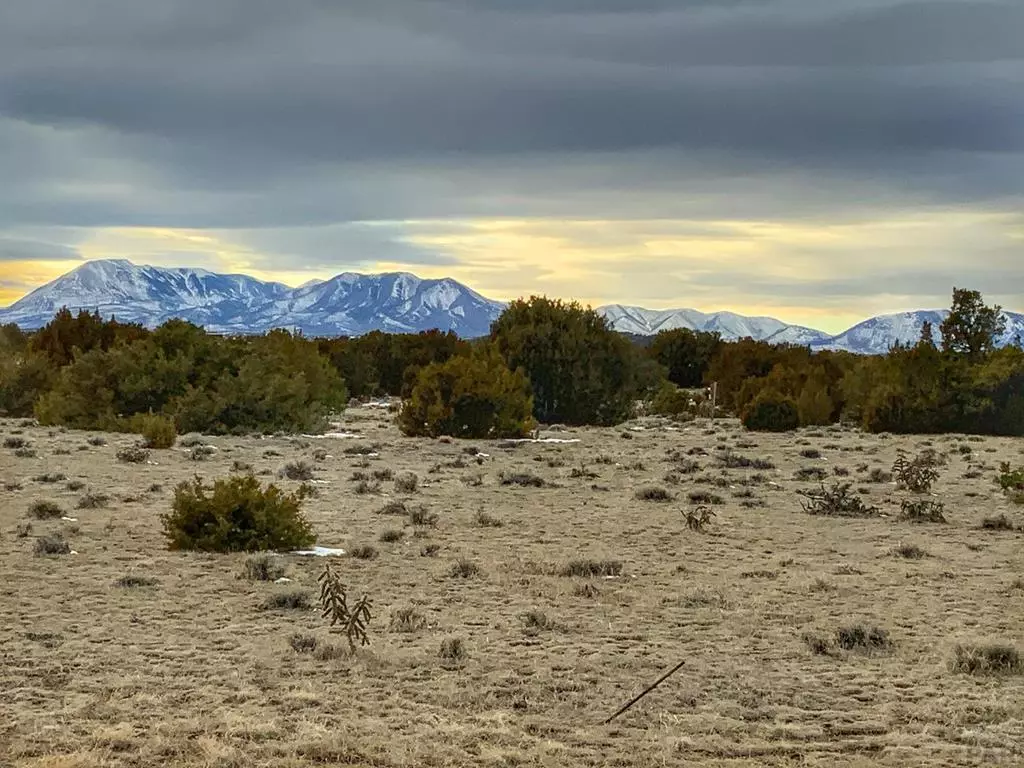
351	304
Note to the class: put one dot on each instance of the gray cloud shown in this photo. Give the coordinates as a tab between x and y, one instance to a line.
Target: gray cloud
266	118
23	249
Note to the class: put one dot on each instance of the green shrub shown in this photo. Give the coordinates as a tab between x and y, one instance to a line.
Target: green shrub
771	412
672	401
814	405
1012	482
157	431
235	515
468	397
580	370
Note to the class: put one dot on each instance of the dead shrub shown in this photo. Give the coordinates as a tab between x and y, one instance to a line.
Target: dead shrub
591	568
653	493
290	600
836	501
363	552
262	568
464	569
298	470
46	510
922	511
93	501
703	497
909	551
133	454
406	620
485	520
453	650
52	544
134	581
407	482
989	659
522	479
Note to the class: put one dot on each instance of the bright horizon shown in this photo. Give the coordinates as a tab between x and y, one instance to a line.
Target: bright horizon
294	280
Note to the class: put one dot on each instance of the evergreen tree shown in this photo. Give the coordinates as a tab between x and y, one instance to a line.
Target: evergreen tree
580	370
972	328
927	334
685	354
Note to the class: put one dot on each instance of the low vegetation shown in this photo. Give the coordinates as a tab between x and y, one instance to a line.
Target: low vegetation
235	515
836	501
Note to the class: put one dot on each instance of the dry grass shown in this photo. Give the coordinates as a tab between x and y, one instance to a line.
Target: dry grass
126	654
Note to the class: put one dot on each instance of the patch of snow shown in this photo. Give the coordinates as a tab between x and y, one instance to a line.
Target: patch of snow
319	552
543	440
337	435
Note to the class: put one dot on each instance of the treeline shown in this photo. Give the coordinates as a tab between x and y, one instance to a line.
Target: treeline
544	361
87	373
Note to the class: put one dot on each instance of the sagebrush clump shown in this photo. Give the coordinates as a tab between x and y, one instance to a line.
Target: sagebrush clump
157	432
235	515
133	454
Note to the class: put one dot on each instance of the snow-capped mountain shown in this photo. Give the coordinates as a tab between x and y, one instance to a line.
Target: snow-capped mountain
877	334
349	304
647	322
144	294
352	304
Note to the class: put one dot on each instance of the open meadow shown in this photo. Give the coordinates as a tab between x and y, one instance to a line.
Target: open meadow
521	593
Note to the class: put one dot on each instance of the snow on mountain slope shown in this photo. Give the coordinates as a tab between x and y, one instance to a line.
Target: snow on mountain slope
348	304
877	334
647	322
352	304
148	295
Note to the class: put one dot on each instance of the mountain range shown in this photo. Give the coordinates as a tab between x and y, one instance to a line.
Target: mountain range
352	304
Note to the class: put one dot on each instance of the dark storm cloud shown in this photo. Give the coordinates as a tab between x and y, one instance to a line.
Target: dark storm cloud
257	113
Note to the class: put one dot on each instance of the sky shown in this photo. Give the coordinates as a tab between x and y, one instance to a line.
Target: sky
815	161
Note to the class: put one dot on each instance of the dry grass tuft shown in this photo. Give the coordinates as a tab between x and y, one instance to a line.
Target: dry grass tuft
991	659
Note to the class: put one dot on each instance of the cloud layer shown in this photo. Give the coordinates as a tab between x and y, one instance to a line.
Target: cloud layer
314	136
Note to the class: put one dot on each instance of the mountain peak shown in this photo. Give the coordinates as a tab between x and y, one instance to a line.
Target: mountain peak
348	304
351	304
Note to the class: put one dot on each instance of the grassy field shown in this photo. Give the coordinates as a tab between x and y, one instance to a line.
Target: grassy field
484	652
